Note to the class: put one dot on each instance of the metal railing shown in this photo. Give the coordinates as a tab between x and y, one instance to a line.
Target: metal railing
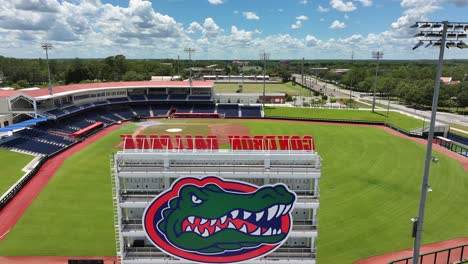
458	254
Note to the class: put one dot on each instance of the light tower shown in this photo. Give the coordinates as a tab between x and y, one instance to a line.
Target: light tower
264	56
48	46
190	51
434	34
376	55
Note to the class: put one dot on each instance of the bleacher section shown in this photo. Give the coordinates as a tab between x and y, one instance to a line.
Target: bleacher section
157	97
118	100
160	110
203	109
251	111
52	136
199	98
137	97
126	113
32	146
177	97
141	110
184	108
229	110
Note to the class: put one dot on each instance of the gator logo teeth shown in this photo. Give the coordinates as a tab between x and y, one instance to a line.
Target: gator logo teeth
212	220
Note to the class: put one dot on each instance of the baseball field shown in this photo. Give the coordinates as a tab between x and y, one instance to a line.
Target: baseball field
369	190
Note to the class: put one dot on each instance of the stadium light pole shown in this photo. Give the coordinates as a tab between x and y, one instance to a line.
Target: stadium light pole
376	55
264	56
190	51
436	36
48	46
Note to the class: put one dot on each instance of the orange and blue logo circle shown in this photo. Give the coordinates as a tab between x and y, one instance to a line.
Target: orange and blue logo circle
213	220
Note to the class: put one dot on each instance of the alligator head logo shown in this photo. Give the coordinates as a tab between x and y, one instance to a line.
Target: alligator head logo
212	220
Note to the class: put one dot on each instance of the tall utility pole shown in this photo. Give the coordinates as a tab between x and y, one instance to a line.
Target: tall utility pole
264	56
302	71
190	51
376	55
437	37
48	46
352	57
178	67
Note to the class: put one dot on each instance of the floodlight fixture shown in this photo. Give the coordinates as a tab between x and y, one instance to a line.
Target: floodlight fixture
461	35
436	25
419	44
428	44
437	44
426	25
420	34
415	25
435	159
376	55
47	46
414	219
458	27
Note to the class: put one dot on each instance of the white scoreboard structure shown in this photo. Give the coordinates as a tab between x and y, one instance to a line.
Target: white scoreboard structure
176	203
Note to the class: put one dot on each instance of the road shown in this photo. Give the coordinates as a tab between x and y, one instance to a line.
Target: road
335	91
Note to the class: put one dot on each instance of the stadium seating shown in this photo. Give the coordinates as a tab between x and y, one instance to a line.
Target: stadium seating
203	109
126	113
199	98
157	97
141	110
160	110
104	102
177	97
184	108
251	111
229	110
118	100
57	113
137	97
71	109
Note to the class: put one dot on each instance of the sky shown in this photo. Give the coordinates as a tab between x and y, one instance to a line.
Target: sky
223	29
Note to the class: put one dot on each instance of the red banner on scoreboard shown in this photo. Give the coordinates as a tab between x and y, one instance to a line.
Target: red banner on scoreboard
245	142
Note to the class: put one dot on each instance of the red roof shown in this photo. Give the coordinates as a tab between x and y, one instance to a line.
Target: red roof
85	86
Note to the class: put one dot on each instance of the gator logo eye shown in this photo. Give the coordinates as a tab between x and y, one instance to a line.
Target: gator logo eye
212	220
196	200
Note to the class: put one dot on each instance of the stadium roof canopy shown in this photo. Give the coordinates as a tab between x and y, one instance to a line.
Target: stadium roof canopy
69	89
23	124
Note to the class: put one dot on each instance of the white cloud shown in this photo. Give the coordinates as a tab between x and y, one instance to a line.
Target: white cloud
302	17
250	15
210	28
194	27
216	2
322	19
236	11
281	10
346	16
366	3
342	6
303	2
297	25
322	9
337	24
311	41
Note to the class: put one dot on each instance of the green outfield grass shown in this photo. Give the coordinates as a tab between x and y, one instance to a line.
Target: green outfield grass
368	192
10	169
287	88
395	118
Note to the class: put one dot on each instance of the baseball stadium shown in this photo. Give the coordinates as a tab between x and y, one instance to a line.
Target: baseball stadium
174	172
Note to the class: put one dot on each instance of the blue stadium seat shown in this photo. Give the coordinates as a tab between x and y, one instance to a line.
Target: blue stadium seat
229	110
